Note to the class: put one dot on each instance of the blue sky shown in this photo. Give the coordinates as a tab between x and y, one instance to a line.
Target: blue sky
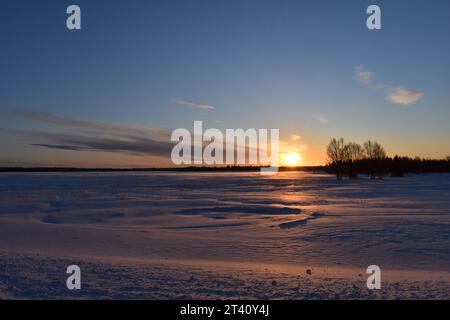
310	68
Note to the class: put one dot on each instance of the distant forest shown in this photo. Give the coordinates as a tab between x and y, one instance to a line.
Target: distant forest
351	159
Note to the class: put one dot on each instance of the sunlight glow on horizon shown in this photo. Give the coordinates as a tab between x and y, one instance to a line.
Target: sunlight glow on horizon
291	159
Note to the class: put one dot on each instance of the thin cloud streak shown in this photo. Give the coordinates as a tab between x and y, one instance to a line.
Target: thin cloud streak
322	119
114	144
364	76
193	105
112	128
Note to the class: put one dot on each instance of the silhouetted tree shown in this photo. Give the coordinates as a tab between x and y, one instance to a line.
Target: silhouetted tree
337	156
375	154
354	153
374	150
371	159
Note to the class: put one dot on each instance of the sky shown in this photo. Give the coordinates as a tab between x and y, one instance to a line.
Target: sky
110	94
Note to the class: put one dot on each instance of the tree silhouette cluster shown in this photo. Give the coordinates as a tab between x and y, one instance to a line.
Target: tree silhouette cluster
351	159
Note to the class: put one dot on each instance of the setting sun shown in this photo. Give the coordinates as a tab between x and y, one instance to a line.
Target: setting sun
292	159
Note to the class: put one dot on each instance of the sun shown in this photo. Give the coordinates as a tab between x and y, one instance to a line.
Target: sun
292	159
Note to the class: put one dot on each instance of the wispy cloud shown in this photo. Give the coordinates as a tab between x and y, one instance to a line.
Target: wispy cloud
398	95
75	142
193	105
364	76
100	136
75	135
322	119
109	127
405	96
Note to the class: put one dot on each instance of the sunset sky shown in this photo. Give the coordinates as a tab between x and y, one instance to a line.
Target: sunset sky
110	94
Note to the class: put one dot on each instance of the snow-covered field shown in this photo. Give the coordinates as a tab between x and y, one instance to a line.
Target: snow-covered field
223	235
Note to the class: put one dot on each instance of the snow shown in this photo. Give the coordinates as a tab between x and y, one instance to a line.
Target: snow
223	235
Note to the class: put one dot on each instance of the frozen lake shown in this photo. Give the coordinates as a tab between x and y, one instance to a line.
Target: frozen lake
227	227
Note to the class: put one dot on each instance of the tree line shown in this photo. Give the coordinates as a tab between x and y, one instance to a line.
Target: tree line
351	159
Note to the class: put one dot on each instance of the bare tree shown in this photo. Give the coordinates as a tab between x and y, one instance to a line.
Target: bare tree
374	151
336	150
337	153
355	151
375	154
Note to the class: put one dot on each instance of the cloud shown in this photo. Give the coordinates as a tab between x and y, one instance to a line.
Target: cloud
104	137
60	147
69	142
109	127
398	95
322	119
77	135
364	76
404	96
295	137
194	105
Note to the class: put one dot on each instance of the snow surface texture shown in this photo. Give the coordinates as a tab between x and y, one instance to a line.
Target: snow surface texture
223	235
